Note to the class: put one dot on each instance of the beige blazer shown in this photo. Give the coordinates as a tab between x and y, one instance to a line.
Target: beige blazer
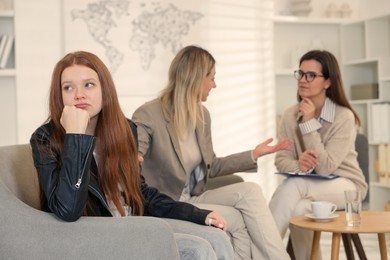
163	162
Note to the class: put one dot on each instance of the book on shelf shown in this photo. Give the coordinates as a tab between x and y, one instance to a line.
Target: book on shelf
3	40
380	114
6	53
383	164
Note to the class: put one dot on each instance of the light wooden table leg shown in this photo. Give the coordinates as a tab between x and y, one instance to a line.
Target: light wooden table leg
316	245
335	246
382	245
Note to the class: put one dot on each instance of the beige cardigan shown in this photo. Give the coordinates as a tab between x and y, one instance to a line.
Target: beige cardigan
163	163
334	143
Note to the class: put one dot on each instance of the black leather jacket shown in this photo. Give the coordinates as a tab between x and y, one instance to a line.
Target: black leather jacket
69	180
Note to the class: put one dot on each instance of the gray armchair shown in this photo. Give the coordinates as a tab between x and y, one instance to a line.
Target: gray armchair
29	233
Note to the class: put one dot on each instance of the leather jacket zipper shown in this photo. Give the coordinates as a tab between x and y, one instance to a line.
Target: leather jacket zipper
77	185
101	197
79	180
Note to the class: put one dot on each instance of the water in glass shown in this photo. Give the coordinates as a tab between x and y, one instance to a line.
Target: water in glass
353	207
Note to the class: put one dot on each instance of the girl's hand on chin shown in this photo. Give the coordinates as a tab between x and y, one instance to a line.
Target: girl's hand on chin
74	120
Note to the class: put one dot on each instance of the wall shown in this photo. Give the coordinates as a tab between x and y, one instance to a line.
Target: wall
374	8
237	34
38	44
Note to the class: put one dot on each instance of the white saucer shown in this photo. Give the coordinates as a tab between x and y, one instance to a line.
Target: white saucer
317	219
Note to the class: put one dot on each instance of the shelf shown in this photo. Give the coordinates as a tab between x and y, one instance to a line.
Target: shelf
377	184
353	41
368	72
7	13
378	28
379	196
364	101
384	65
361	39
7	72
364	72
309	20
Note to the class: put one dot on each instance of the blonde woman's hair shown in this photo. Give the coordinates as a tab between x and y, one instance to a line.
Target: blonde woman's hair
181	98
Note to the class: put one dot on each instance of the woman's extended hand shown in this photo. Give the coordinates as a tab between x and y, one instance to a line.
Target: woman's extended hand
216	220
264	148
74	120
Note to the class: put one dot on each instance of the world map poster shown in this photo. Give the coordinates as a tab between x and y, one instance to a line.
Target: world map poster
135	39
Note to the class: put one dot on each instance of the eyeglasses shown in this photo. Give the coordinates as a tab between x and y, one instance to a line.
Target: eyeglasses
309	76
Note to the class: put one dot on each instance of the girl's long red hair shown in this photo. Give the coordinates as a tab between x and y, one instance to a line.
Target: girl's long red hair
116	146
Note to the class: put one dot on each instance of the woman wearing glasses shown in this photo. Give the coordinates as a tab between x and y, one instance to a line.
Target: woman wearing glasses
322	126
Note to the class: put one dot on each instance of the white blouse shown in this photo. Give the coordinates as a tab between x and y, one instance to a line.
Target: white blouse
191	161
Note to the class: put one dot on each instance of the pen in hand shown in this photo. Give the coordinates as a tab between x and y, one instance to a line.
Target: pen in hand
310	170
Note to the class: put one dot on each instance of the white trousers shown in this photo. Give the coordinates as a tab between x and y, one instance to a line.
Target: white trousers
293	197
250	222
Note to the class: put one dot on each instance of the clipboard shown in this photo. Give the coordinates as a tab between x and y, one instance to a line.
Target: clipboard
308	175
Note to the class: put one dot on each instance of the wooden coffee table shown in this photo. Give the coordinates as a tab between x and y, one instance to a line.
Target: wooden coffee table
371	222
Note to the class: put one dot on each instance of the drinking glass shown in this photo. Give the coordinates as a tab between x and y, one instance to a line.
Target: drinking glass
353	207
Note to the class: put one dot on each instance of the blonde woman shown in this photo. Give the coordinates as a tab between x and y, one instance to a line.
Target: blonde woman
175	142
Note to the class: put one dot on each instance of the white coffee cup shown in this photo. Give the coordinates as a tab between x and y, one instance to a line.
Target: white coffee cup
323	209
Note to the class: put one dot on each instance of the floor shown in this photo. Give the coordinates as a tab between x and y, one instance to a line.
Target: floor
369	242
